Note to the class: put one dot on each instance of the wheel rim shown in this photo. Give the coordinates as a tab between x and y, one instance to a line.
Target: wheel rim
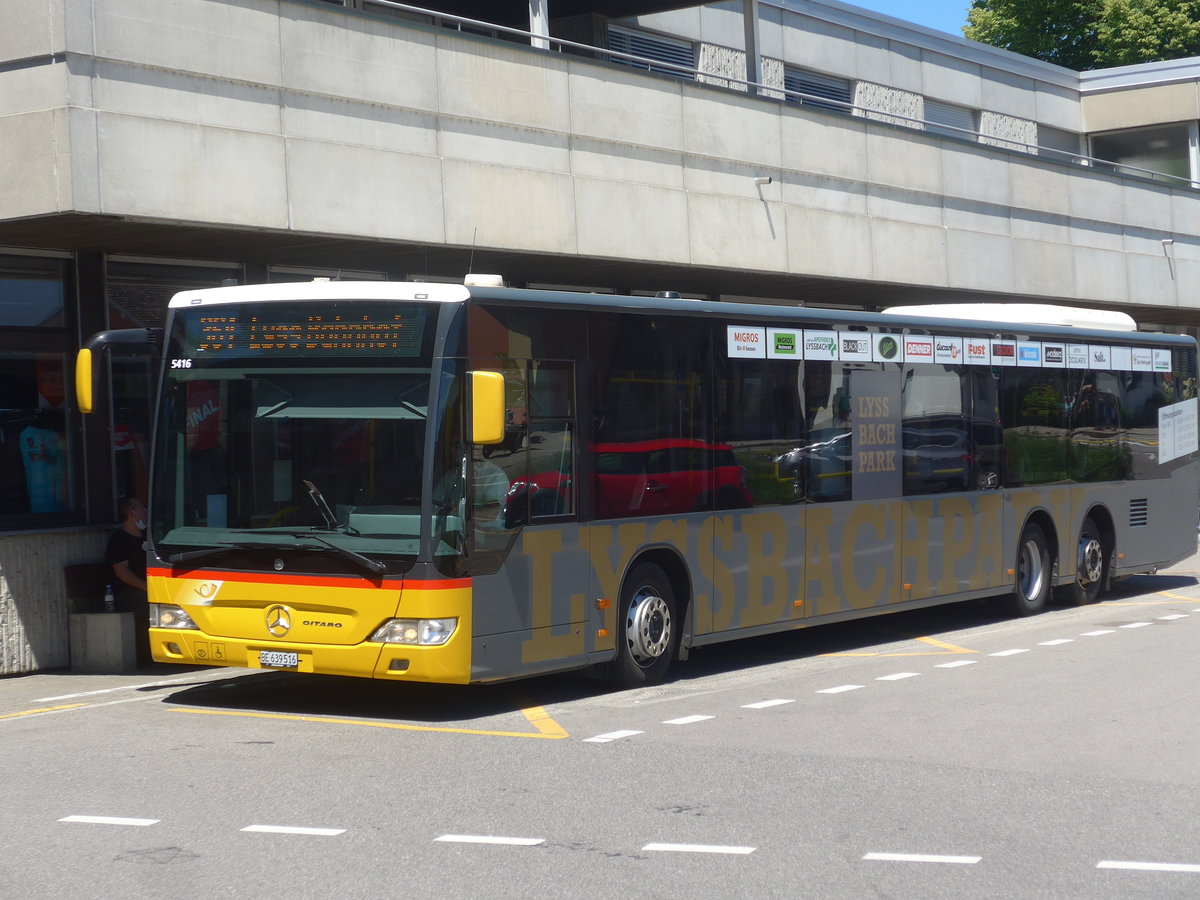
648	626
1030	571
1091	560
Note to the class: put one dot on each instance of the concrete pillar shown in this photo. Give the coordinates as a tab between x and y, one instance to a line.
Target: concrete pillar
753	49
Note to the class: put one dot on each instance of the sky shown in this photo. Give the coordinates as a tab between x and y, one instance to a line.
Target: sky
943	15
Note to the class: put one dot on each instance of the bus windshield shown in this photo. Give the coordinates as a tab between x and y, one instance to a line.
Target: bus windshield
296	428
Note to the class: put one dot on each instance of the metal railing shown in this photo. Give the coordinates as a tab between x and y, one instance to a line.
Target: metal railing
770	91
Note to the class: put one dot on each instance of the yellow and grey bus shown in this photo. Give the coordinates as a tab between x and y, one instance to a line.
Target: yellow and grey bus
470	483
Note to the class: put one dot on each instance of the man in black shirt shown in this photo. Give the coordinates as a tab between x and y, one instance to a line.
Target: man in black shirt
128	561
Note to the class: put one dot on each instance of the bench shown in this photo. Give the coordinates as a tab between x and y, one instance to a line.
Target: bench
100	641
85	583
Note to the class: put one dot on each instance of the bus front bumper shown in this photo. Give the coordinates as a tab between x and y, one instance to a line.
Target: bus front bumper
449	663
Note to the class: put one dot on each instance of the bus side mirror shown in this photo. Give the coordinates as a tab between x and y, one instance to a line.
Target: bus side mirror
137	340
84	381
487	407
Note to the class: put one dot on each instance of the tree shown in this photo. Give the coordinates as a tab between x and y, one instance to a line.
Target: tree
1136	31
1057	31
1088	34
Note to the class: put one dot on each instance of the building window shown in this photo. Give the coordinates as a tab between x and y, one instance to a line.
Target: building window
1057	143
138	293
950	120
1161	150
38	428
651	47
817	89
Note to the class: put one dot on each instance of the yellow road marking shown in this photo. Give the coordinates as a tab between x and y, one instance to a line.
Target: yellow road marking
1179	596
944	650
541	720
544	730
44	709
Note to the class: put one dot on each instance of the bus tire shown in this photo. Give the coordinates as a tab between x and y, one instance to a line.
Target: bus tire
1091	563
1031	588
648	628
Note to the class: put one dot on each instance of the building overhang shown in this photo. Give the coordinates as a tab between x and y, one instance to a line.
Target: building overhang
156	239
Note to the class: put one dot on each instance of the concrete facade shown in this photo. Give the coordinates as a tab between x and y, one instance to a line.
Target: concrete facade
285	131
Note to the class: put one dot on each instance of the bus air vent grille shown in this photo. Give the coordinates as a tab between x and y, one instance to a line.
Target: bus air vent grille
1139	513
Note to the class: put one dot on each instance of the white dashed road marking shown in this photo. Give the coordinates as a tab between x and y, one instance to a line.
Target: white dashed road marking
1097	632
1137	624
1173	617
841	690
124	687
1148	866
923	857
764	704
957	663
294	829
1009	652
687	720
898	676
489	839
696	848
1056	642
610	736
109	820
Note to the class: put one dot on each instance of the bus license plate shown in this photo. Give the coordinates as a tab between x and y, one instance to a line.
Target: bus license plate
278	659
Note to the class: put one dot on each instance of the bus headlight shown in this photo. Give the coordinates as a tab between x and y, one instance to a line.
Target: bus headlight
423	632
166	615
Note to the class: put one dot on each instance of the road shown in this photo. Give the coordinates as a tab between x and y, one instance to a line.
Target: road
946	753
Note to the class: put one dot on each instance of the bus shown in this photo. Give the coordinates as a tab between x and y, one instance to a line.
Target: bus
463	483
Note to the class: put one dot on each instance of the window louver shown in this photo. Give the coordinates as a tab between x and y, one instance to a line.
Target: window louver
651	46
952	117
817	85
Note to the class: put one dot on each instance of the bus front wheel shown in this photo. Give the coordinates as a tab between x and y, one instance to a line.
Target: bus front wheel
1032	586
1091	560
648	628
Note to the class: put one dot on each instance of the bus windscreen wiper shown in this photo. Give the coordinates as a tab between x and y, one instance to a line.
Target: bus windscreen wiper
189	555
373	565
366	562
321	504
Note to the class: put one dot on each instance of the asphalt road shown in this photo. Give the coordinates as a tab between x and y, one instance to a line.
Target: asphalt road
947	753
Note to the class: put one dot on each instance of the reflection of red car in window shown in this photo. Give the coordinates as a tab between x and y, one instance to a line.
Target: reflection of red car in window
667	476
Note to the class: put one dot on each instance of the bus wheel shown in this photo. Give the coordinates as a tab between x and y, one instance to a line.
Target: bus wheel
1090	563
648	628
1033	573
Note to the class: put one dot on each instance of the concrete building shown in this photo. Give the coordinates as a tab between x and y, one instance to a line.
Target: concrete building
846	159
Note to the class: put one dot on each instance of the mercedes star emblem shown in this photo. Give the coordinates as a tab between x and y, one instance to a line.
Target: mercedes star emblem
279	620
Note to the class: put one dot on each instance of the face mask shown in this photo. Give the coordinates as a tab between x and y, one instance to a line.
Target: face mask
140	524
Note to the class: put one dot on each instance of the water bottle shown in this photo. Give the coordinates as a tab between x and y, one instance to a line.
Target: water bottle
110	604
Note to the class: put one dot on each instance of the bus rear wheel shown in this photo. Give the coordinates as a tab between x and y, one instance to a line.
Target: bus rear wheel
1091	561
648	628
1032	587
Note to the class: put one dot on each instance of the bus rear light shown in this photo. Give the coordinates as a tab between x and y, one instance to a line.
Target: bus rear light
422	632
167	615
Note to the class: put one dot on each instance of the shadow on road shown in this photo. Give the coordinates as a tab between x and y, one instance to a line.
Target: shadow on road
288	693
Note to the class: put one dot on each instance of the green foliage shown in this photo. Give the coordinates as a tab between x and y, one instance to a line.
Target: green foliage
1136	31
1088	34
1057	31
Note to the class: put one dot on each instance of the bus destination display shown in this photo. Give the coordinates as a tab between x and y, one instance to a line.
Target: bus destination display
384	331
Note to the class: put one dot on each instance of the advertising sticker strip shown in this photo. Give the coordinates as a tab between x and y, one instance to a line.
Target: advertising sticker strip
756	342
